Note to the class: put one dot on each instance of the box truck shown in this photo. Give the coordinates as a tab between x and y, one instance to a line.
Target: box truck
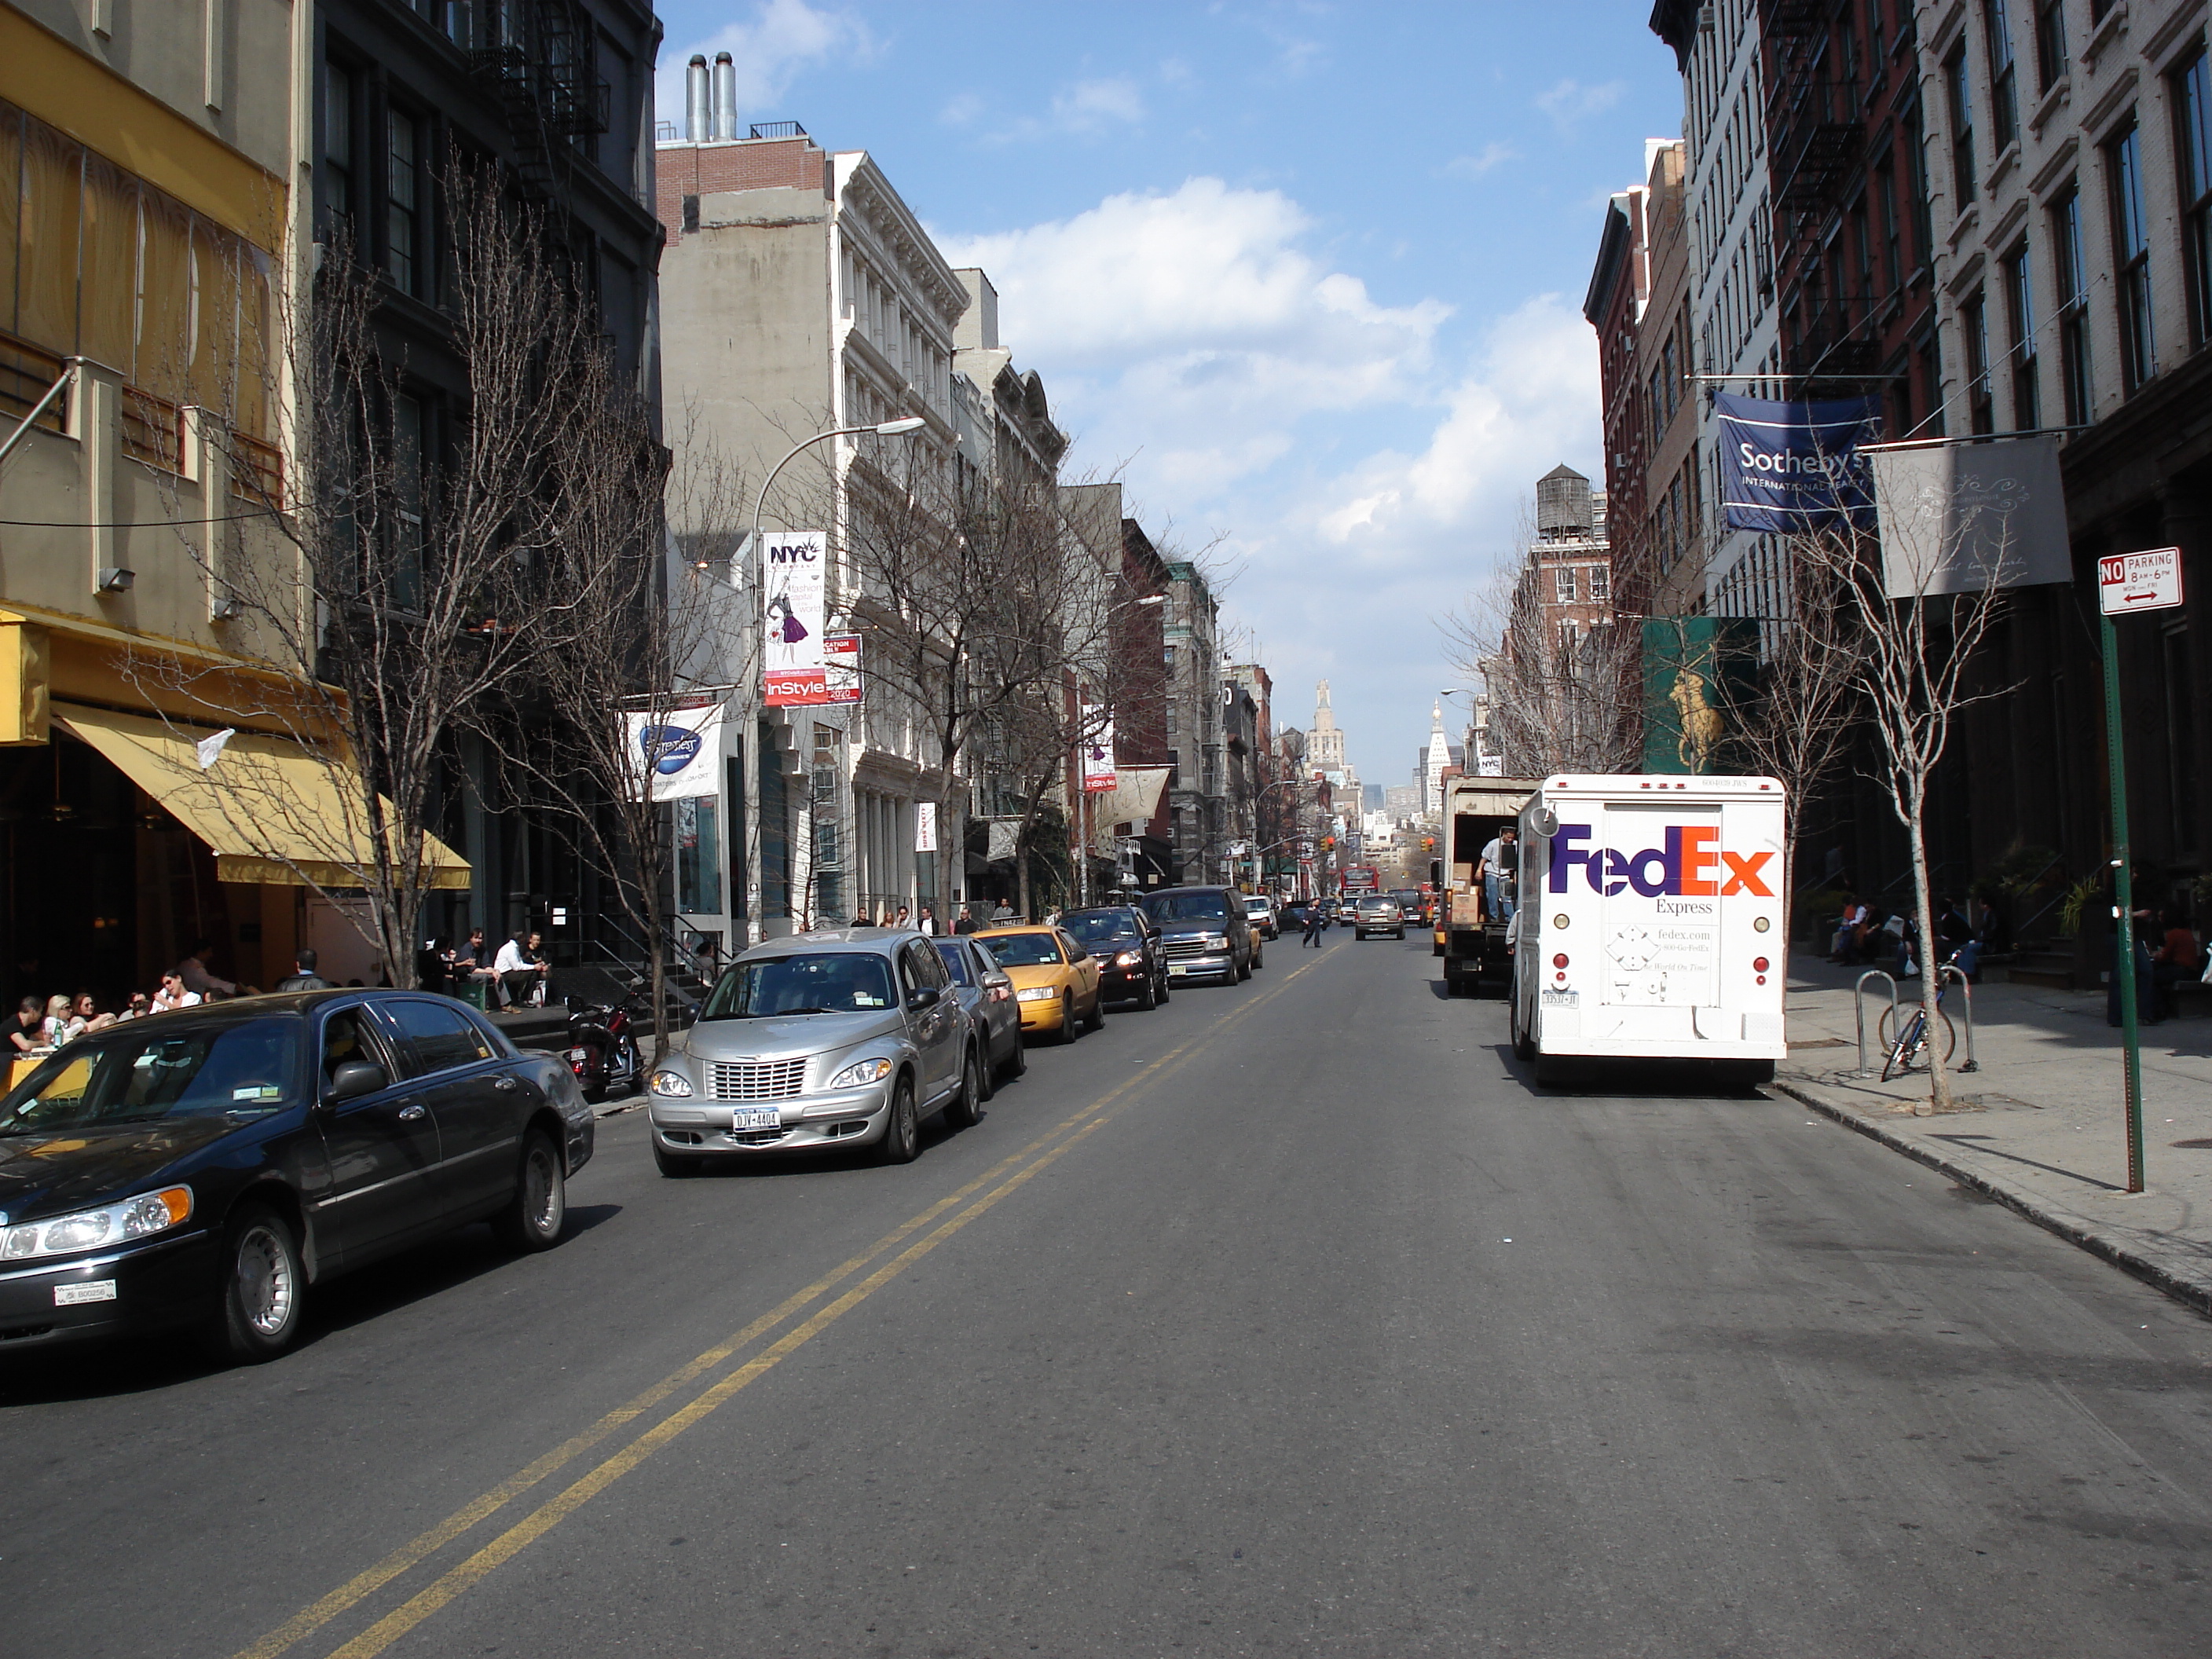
1469	937
1651	923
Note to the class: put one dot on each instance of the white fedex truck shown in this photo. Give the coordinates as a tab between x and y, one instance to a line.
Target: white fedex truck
1651	923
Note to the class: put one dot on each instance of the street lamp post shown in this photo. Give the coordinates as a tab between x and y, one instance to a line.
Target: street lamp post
756	634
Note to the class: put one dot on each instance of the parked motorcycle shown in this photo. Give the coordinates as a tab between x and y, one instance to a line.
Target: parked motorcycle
603	1048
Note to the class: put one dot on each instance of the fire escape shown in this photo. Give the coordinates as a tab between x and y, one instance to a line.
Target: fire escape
1816	124
539	66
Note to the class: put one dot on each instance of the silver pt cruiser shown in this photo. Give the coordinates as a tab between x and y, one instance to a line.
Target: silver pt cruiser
850	1033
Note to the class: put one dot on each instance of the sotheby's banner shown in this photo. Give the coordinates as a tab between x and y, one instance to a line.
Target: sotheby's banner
795	582
1793	467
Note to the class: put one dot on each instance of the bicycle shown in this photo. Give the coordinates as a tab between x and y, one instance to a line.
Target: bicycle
1908	1051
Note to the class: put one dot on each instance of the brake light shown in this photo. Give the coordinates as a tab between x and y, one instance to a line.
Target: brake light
1759	964
1560	961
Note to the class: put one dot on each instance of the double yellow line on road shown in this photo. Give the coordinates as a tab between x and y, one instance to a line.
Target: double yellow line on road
1004	1178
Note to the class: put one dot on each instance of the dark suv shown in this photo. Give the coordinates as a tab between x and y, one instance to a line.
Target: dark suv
1132	965
1205	932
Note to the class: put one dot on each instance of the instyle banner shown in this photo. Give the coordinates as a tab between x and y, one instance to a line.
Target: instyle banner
1098	773
676	754
1795	466
1958	517
794	581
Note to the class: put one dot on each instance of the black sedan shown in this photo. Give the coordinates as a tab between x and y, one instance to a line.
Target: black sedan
206	1167
1133	963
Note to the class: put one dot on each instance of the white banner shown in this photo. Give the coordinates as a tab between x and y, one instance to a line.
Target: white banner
794	585
1956	517
925	826
1098	749
677	753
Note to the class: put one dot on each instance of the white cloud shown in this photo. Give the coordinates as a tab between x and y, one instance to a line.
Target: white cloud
1254	388
782	37
1092	106
1570	102
1488	158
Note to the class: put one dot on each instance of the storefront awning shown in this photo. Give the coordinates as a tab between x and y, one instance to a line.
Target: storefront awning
269	811
1133	798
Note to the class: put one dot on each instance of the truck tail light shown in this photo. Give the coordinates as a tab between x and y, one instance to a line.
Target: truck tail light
1560	960
1759	964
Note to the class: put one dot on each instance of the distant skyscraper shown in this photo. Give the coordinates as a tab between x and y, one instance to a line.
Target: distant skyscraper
1324	743
1439	756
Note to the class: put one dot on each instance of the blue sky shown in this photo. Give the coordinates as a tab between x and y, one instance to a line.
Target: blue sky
1307	277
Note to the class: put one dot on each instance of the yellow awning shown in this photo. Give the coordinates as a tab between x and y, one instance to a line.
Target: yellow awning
269	811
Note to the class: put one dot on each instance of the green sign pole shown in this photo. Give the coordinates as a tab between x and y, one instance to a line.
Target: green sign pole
2123	891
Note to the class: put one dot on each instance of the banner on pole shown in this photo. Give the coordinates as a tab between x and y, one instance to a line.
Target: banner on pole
1795	466
1958	517
794	586
1098	773
677	753
840	668
925	826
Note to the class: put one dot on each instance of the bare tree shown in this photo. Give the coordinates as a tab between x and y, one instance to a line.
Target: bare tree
414	589
1918	647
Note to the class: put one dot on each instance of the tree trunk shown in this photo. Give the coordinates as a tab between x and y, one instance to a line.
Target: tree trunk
1938	1078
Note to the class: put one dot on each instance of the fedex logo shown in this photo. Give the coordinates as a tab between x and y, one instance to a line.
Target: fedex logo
1689	864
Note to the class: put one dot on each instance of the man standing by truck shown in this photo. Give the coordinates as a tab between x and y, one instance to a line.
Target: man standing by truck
1495	873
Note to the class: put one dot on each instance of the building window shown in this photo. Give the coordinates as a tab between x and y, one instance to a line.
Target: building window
2049	43
1562	584
2020	320
1962	124
337	146
2131	258
2192	109
1892	230
2073	305
1931	378
2004	93
1974	321
1601	582
1924	232
403	221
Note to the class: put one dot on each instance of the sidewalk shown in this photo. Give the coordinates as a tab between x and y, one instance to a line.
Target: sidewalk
2042	1127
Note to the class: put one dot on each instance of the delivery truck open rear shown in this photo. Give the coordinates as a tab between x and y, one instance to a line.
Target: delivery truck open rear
1651	923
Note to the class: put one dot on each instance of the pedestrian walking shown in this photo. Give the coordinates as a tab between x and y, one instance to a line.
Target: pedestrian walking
1315	920
928	921
303	976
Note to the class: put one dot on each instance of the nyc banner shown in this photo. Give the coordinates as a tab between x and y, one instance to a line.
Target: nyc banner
1795	466
795	582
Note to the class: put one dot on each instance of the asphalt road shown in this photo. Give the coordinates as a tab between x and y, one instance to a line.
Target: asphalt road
1287	1318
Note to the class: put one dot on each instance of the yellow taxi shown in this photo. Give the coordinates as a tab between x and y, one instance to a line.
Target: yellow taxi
1056	981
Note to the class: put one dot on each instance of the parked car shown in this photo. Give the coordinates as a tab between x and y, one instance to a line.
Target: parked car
1205	932
1260	911
1056	981
987	995
1376	913
1132	965
844	1035
210	1166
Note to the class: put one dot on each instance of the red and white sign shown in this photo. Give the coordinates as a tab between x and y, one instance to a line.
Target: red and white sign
1098	773
837	681
2139	581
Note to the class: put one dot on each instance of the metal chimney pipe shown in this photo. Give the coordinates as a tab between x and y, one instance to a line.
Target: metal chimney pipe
695	99
725	96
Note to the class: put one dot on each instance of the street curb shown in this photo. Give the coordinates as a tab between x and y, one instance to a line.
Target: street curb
2193	1289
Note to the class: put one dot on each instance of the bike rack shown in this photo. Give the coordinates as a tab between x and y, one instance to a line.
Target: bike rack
1858	1014
1965	990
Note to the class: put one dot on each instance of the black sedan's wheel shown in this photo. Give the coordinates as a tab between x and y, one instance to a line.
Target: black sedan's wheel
1018	1062
902	1135
534	1216
986	1073
964	1110
264	1288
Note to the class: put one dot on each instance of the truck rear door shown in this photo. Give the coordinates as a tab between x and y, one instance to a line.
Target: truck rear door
1660	918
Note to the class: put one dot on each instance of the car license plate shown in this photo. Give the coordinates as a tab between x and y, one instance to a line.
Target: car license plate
96	1290
755	1117
1562	999
1175	967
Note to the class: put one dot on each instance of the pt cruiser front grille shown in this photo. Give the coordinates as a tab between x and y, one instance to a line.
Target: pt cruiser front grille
774	1079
